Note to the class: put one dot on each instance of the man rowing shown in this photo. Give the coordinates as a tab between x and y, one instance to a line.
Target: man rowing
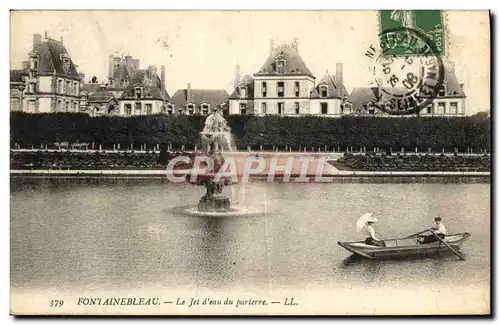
439	230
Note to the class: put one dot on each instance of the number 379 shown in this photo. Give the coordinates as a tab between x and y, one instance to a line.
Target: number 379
56	303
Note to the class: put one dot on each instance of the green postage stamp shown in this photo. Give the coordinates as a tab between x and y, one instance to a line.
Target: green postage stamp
427	22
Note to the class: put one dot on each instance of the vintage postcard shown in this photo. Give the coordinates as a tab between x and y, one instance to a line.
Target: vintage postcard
250	162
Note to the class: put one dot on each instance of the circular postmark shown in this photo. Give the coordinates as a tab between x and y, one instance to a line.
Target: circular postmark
408	72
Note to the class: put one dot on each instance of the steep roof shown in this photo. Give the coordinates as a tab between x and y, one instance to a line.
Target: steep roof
334	89
151	84
214	97
362	95
17	75
100	96
453	88
248	82
294	65
51	54
92	88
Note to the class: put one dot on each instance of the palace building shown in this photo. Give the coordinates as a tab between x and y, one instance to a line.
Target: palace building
284	85
48	81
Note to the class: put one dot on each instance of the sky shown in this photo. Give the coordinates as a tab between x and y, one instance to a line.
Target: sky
203	47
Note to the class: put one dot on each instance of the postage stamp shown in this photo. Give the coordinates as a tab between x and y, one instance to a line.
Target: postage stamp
200	163
427	22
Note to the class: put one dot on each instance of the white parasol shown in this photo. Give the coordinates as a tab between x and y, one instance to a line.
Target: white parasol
364	219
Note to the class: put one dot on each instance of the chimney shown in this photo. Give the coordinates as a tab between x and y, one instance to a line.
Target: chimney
37	40
339	77
26	65
296	44
162	77
152	71
128	63
271	46
135	64
237	77
110	68
188	92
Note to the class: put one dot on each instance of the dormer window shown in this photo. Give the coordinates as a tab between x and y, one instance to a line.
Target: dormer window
170	109
280	66
442	91
243	92
138	92
66	62
34	63
323	91
190	108
204	109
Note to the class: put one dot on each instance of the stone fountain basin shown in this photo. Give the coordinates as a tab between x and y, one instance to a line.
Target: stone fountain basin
202	179
234	211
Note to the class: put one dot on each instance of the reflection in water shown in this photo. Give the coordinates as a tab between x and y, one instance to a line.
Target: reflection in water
127	234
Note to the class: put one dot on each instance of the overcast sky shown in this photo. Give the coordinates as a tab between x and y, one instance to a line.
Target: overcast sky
202	47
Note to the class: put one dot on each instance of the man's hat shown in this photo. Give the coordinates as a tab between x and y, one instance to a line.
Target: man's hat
438	219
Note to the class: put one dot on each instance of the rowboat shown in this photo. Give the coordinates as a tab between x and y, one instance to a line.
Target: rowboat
404	247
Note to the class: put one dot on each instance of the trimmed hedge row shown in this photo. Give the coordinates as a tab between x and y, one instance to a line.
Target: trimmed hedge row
266	131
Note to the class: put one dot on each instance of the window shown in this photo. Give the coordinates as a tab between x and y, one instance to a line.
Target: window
170	109
264	108
297	108
138	108
149	109
324	108
243	109
280	66
453	108
75	107
59	106
75	88
60	86
204	109
442	91
441	108
281	89
243	92
297	89
138	92
323	91
66	108
32	106
264	89
190	109
68	87
281	108
347	107
429	109
31	87
128	109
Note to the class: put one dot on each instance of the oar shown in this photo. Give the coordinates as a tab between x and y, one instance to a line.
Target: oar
441	240
418	233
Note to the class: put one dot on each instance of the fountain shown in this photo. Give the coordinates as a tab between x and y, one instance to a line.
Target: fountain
216	136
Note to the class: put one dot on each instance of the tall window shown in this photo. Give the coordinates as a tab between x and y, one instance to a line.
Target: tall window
264	108
128	109
297	108
323	91
280	66
138	92
297	89
138	108
59	106
281	108
31	88
281	89
68	87
34	63
75	89
324	108
149	109
264	89
190	109
243	109
60	86
66	107
170	109
441	108
75	105
453	108
429	109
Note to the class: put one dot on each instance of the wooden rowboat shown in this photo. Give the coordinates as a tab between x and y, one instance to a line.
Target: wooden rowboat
405	247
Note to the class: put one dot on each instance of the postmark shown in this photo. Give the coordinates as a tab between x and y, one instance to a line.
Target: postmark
427	22
405	84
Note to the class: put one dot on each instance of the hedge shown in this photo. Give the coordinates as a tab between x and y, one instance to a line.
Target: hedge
267	131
